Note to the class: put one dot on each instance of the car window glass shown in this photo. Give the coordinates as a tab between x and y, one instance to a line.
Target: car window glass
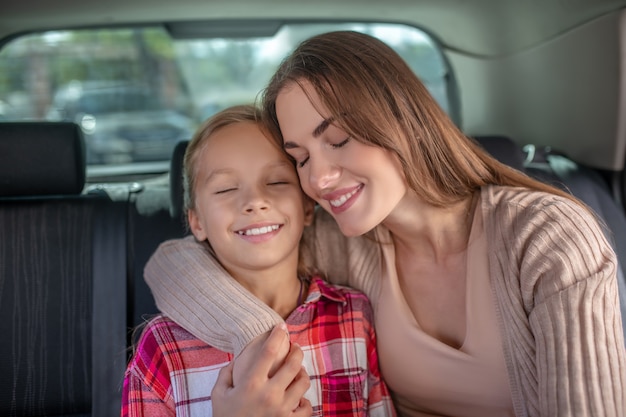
136	92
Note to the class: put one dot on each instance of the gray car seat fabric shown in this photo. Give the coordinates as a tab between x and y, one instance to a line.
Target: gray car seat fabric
62	279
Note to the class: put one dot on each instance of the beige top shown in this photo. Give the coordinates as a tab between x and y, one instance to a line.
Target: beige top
553	276
428	377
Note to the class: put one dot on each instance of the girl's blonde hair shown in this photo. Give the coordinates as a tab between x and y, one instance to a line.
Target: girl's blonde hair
226	117
372	94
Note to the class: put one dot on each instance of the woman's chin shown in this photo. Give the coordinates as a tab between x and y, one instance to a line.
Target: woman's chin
351	229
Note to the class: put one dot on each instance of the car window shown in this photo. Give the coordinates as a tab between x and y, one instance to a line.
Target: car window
136	92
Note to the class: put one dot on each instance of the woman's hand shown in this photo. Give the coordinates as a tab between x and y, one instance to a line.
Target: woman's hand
265	380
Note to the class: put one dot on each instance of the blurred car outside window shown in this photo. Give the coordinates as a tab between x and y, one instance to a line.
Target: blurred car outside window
136	92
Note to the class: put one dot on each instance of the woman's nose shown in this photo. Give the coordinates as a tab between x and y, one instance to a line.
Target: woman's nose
323	174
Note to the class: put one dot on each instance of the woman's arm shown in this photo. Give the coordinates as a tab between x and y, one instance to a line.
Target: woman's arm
191	287
576	319
567	343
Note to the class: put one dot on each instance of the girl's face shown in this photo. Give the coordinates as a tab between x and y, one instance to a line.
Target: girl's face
358	184
249	204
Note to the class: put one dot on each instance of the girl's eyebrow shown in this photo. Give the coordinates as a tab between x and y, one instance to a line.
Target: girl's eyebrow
216	173
317	132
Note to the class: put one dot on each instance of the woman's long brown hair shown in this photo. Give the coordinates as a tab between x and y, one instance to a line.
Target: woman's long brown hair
372	94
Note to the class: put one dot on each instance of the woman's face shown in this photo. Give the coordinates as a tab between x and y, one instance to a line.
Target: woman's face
358	184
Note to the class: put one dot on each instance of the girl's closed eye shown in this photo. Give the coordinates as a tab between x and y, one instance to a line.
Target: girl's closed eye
224	190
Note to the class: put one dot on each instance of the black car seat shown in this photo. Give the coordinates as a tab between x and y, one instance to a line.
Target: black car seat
62	278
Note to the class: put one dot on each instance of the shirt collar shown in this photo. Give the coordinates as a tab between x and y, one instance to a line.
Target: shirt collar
319	288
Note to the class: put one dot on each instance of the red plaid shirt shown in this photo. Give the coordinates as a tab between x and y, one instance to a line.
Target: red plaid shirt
173	373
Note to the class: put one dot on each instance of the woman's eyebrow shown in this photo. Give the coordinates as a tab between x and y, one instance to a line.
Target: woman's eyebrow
317	132
290	145
321	128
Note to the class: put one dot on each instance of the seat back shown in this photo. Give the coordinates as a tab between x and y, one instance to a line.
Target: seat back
62	295
504	149
176	181
156	215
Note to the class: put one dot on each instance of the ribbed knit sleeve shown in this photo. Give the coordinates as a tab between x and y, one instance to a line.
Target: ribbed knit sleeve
555	281
192	289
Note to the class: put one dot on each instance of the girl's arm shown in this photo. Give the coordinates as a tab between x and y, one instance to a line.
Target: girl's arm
147	388
139	400
379	401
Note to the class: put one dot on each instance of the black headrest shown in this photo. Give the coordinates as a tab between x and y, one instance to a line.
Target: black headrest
41	158
504	149
176	180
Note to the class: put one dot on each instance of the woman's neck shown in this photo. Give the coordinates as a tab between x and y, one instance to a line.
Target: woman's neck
430	232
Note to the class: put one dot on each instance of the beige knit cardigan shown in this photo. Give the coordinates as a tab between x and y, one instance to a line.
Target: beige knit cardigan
553	276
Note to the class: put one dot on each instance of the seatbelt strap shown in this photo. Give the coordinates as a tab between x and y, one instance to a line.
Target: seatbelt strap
109	308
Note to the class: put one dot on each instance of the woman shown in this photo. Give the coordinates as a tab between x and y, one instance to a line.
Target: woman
494	294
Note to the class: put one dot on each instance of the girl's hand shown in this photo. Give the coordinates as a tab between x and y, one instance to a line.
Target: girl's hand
265	380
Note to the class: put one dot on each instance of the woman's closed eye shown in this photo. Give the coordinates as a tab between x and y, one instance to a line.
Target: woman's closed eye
298	157
340	144
302	162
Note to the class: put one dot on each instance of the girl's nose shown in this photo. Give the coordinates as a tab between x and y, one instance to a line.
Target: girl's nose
255	200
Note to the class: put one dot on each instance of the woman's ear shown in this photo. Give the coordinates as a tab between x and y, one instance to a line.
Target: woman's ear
309	210
196	225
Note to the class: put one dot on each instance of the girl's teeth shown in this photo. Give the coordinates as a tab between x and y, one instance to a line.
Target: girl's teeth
258	230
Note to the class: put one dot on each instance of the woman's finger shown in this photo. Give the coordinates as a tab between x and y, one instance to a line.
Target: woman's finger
304	409
294	394
224	379
290	368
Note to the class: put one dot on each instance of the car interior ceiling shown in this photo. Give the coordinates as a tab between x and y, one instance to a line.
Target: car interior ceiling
73	245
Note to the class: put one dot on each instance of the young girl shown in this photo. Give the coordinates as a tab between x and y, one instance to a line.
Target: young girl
494	294
244	202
